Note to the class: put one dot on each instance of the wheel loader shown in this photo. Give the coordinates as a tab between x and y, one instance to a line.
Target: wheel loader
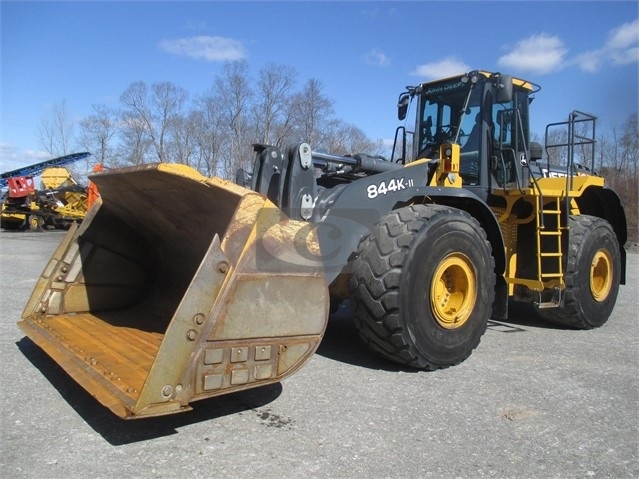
177	287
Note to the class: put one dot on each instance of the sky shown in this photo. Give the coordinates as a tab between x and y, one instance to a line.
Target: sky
584	54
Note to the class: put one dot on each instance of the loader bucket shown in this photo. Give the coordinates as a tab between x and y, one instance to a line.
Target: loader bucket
175	288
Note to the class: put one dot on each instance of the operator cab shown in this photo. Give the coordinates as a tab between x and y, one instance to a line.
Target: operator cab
487	115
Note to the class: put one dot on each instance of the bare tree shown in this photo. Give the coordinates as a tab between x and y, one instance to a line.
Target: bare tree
343	138
556	140
177	145
209	135
271	109
232	93
156	112
135	143
584	138
630	145
602	150
312	114
97	134
612	159
56	130
169	101
622	174
137	123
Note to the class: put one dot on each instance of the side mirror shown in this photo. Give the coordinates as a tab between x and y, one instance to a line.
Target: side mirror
504	86
402	106
536	151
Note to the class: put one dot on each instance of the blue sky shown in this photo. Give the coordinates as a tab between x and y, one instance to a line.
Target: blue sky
583	54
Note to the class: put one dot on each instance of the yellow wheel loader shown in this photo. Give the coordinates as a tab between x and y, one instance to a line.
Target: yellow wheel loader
178	287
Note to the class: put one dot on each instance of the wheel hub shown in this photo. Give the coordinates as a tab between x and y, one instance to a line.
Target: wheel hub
453	291
601	275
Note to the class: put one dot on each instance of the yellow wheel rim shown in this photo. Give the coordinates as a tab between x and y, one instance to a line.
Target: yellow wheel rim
601	275
453	291
34	222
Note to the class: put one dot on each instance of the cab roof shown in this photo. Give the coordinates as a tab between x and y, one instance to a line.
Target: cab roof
532	87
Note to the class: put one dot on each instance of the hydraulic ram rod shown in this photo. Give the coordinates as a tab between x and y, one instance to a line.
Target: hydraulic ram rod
374	164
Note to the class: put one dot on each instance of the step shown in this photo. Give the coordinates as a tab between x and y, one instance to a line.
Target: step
547	305
551	275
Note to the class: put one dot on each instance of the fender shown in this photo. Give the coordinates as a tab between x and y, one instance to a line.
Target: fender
606	204
344	214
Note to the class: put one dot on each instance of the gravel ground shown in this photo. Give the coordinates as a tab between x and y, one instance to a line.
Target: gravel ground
533	400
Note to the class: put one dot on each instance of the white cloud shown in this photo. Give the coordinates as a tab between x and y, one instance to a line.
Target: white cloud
212	49
588	61
545	53
446	67
12	158
377	58
625	36
625	56
540	54
621	48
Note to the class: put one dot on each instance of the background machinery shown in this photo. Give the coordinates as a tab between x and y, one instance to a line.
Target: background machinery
58	203
178	287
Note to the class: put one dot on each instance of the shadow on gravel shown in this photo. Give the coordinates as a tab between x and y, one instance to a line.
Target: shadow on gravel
117	431
342	343
525	315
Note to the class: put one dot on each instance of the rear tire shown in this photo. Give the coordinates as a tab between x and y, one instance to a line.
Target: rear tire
35	223
593	269
422	286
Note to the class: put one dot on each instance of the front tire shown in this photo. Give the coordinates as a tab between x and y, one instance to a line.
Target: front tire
593	270
423	285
